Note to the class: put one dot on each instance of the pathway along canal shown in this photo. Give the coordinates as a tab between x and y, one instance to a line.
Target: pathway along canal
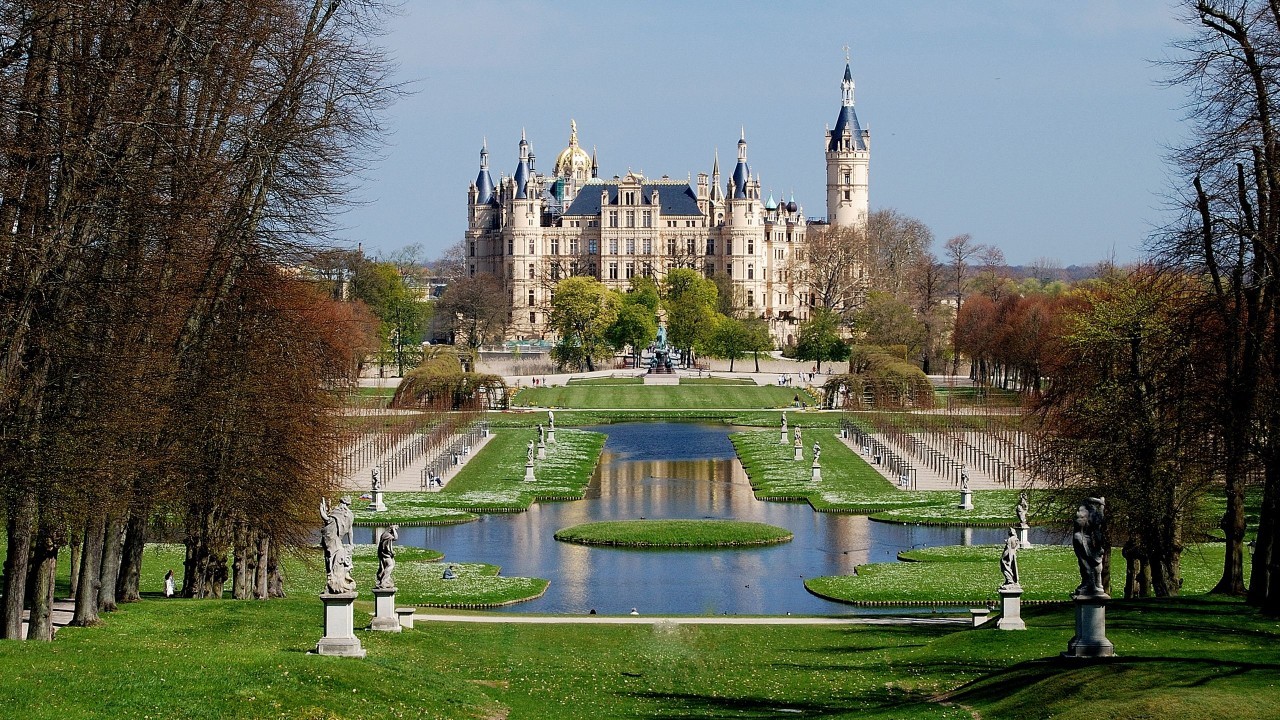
681	470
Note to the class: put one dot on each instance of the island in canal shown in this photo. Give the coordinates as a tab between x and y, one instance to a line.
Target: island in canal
675	534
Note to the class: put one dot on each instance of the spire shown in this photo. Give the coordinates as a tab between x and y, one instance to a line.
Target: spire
716	192
522	169
484	183
846	87
595	166
847	121
741	173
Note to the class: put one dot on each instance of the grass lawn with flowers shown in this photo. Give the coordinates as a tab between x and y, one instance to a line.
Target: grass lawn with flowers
721	395
675	533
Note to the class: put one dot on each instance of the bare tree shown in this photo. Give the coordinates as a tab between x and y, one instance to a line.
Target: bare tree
836	263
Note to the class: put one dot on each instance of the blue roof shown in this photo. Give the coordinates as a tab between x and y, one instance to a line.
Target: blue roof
676	198
522	179
484	187
741	174
848	119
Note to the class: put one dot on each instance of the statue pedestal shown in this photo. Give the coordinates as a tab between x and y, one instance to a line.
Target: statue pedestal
783	440
799	454
966	500
1023	542
817	471
542	451
384	610
378	505
339	626
1011	608
551	437
1090	640
528	472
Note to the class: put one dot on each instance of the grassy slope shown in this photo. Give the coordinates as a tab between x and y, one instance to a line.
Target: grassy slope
1191	658
686	396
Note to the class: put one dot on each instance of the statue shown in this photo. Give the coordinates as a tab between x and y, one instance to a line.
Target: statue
798	444
542	435
346	518
377	479
964	480
551	419
530	454
1009	560
817	450
784	421
662	337
337	558
387	557
1022	509
1089	542
797	433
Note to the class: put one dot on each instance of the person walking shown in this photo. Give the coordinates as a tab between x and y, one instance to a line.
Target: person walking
168	583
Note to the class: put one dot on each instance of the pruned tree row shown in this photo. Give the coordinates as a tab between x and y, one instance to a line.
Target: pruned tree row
163	167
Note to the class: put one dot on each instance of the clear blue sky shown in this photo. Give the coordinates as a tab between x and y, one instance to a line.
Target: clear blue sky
1038	126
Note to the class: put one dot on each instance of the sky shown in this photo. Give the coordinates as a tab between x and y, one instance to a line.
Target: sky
1038	126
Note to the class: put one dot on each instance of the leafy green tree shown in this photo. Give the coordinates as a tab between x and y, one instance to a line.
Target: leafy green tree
690	302
886	320
819	338
730	339
636	327
759	339
403	316
582	310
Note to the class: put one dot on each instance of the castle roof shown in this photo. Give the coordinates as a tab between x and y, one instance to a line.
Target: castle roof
675	198
848	120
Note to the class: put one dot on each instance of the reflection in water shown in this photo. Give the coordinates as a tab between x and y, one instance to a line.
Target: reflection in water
678	470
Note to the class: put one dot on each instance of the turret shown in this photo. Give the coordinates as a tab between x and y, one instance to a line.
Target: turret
484	182
848	153
522	169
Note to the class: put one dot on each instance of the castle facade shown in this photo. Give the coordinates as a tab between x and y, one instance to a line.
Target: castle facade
531	229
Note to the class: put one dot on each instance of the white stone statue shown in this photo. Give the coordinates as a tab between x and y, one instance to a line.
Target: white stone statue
387	557
337	558
1022	509
1089	542
784	420
551	419
346	518
542	434
1009	560
798	443
377	480
817	451
964	479
530	454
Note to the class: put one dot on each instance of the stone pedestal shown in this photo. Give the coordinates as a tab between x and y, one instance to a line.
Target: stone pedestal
339	626
966	500
384	610
528	472
1090	640
783	440
405	616
551	437
979	615
1023	542
799	454
817	471
378	505
1011	608
542	451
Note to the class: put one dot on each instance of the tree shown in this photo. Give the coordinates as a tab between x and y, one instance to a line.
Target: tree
759	339
474	309
886	320
403	314
636	327
690	303
581	311
897	243
729	340
836	263
1123	417
819	338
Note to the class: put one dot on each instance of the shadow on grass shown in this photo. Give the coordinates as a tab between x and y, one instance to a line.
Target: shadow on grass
694	705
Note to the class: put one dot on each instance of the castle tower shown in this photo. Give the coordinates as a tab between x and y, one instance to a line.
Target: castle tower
848	157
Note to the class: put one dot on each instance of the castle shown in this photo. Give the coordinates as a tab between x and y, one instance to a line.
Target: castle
531	230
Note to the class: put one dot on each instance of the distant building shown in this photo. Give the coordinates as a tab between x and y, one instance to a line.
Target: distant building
531	230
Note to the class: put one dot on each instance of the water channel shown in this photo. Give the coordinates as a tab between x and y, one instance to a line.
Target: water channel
681	470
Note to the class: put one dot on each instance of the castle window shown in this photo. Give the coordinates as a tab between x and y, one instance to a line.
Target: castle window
573	246
511	272
592	247
593	223
511	246
847	179
531	300
728	246
646	218
846	194
751	298
648	246
471	251
708	269
533	318
647	270
751	271
573	268
613	271
728	269
630	270
711	246
631	246
532	271
555	272
629	198
555	246
473	271
693	248
613	218
631	218
751	246
613	247
531	247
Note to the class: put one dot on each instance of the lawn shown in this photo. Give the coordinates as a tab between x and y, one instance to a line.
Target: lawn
674	533
970	575
662	397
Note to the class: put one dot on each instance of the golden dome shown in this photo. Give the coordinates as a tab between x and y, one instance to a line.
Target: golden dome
573	161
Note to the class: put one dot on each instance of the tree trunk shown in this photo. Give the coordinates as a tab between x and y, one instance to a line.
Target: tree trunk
275	579
261	577
77	550
239	564
44	575
19	528
1264	585
109	572
135	541
86	614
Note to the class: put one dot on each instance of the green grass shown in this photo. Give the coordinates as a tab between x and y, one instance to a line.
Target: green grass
661	397
674	533
583	418
970	575
990	508
476	585
1189	658
717	381
493	480
409	508
607	381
